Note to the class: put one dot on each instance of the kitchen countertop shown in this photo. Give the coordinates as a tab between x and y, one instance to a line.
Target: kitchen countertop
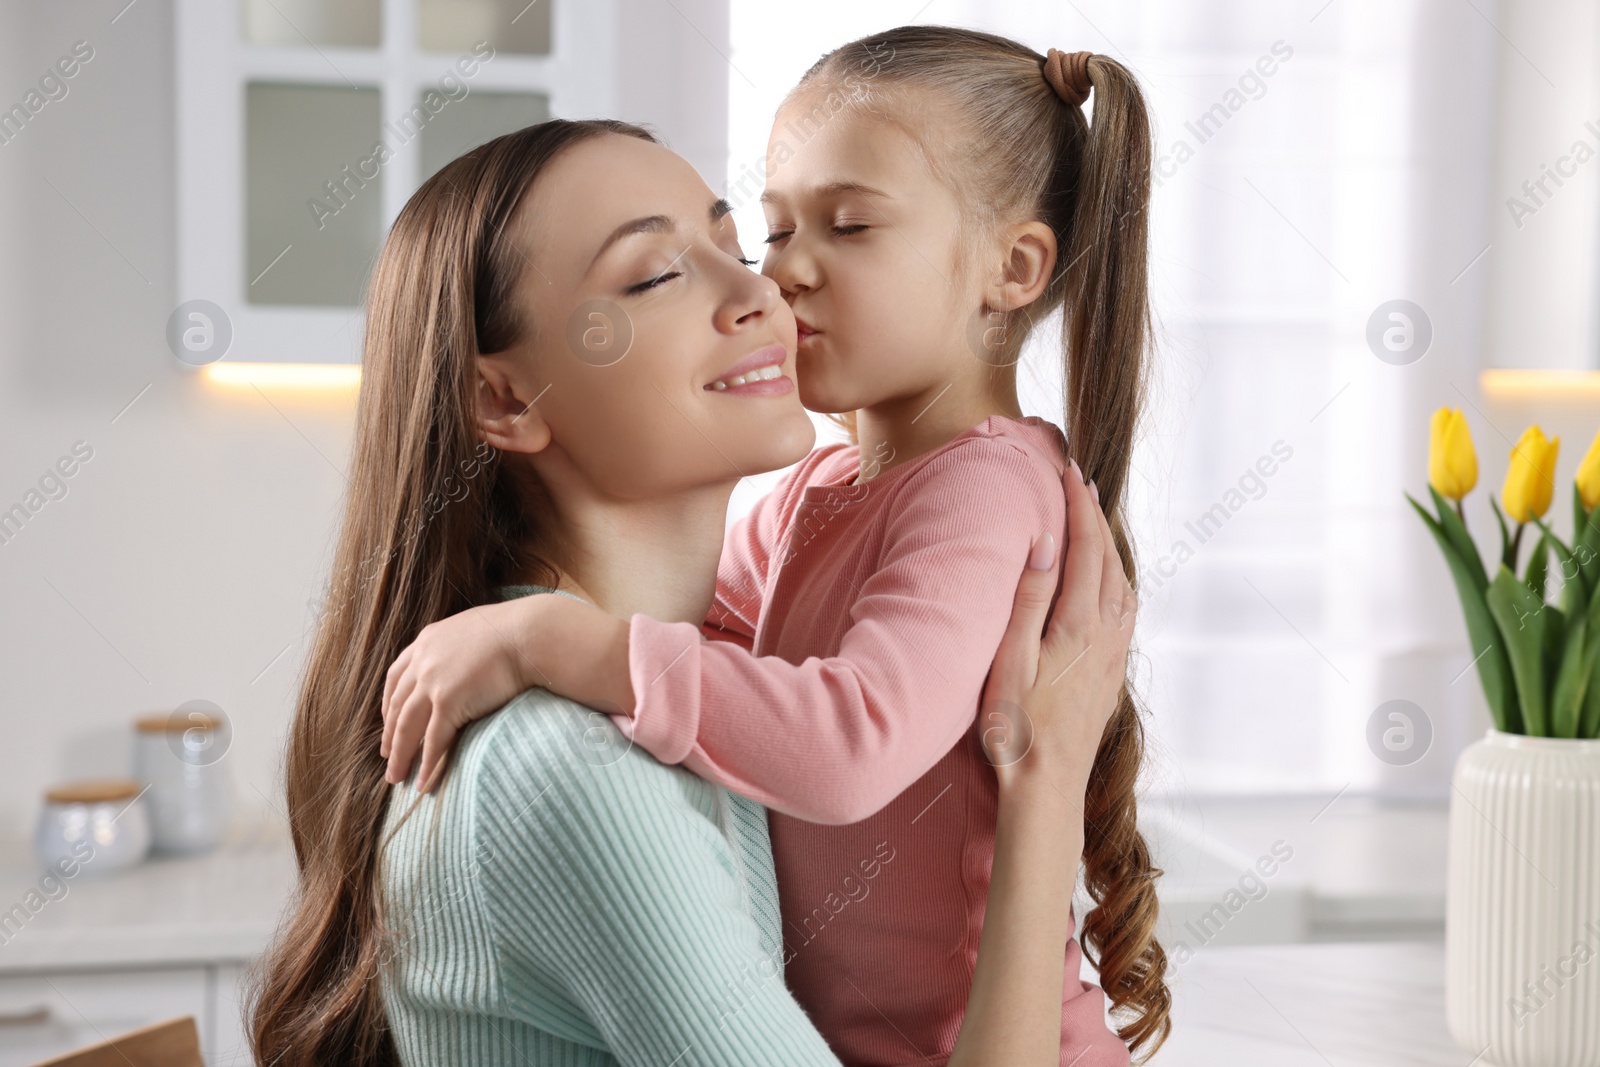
168	911
1313	1005
1364	869
1319	1004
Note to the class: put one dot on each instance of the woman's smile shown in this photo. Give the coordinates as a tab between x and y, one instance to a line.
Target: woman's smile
759	374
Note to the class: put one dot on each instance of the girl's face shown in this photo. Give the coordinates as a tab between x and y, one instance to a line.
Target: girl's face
640	303
862	239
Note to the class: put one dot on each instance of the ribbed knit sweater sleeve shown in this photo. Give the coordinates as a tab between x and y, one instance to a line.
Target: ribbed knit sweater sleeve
834	738
604	875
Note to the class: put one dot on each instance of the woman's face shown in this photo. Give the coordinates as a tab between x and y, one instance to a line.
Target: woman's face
641	313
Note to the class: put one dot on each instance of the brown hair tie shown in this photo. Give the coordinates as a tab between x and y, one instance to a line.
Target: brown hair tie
1068	75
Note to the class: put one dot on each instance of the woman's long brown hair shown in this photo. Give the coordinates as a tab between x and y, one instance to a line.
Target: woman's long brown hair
1021	153
433	522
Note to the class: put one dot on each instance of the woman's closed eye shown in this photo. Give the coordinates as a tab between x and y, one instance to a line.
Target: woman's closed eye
659	279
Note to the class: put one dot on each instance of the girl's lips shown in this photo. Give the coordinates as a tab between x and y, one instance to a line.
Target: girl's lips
802	332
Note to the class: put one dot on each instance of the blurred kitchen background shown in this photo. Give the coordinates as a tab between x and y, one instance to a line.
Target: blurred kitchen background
1318	162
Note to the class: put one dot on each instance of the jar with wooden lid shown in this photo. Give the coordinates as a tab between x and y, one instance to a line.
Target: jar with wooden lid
95	826
179	756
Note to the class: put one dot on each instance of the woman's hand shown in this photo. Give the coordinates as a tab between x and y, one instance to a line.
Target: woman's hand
458	669
1045	708
1047	701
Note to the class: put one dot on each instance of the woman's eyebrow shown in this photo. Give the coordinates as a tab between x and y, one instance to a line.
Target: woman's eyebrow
647	224
654	224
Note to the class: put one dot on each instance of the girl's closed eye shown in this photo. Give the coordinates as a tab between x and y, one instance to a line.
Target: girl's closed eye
843	229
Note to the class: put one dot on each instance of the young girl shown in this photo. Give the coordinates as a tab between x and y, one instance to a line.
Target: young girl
933	194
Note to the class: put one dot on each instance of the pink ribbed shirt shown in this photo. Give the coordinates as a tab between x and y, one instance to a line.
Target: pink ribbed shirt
850	638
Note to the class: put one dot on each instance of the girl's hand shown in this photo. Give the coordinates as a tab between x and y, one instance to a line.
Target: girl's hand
1047	701
458	669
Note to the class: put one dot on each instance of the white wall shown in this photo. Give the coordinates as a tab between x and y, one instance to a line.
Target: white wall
1543	259
182	561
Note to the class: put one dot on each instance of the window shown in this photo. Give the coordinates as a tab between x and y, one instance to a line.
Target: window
1286	592
305	125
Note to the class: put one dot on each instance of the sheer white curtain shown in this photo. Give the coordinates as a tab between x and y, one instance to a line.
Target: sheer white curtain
1317	161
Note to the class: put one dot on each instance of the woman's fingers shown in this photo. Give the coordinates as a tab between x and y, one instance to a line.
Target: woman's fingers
1016	662
1007	734
1117	598
1113	579
410	723
390	680
436	742
405	683
1085	559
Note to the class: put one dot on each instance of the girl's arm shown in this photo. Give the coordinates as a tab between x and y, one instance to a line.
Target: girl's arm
463	667
831	739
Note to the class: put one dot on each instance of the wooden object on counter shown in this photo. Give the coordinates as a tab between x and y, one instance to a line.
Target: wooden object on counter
175	1043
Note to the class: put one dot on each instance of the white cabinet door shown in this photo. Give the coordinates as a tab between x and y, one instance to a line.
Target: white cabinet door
228	1046
47	1014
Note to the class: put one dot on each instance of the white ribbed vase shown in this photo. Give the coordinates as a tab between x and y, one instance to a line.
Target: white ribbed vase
1522	913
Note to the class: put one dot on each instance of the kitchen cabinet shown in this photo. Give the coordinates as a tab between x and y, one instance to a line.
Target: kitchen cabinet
87	958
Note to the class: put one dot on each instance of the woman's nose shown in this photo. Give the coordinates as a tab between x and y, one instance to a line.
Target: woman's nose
752	298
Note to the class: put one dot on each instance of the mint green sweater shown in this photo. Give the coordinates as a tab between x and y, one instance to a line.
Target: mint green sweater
565	899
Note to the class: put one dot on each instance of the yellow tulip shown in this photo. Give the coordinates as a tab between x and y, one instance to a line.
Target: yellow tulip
1452	463
1531	478
1589	475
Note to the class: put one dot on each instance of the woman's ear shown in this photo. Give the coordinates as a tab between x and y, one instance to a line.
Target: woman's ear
1028	258
507	416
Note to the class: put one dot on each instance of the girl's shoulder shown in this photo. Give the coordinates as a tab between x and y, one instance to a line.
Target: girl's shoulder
834	463
1039	439
999	451
999	474
825	465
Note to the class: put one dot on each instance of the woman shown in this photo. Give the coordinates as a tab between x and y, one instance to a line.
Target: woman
563	898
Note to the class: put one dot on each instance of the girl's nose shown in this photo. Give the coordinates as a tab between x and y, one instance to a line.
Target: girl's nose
793	269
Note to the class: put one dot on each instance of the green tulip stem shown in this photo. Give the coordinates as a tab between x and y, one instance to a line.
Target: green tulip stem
1516	547
1461	512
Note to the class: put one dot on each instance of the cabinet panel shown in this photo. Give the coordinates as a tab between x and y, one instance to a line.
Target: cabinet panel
228	1046
48	1014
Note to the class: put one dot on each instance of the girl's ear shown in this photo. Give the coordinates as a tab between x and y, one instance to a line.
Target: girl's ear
1028	258
507	417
